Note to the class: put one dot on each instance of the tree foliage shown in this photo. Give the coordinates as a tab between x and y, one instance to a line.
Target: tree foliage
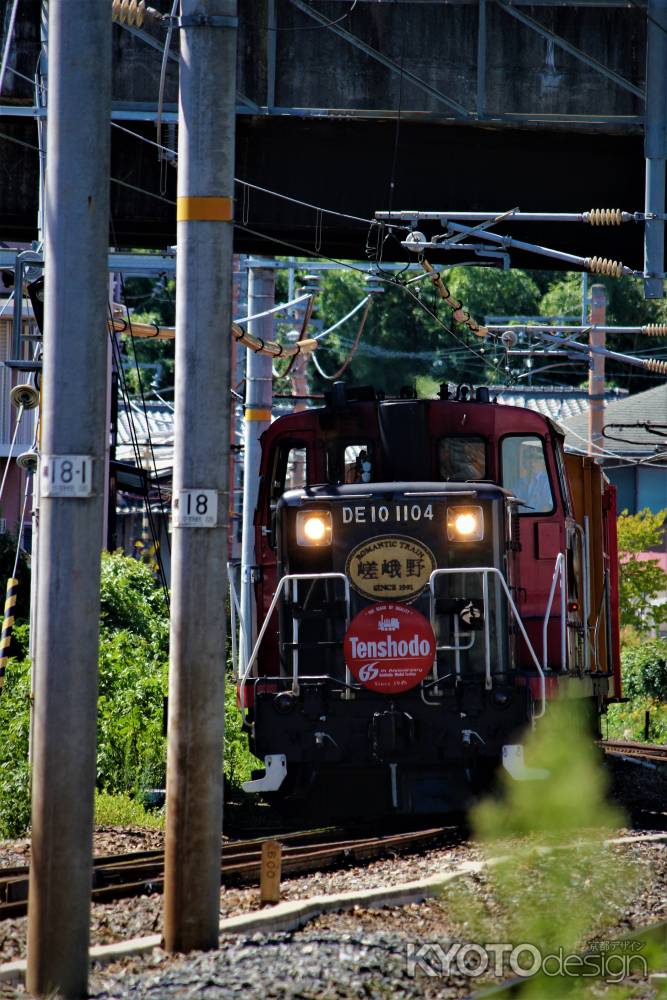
644	669
133	663
410	334
402	342
641	579
150	300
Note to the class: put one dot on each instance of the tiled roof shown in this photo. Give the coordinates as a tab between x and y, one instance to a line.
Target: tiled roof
159	420
558	402
648	407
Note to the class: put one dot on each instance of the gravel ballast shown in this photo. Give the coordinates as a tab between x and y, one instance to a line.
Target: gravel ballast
358	954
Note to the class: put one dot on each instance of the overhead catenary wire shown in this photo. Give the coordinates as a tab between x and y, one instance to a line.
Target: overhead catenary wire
136	448
301	250
345	265
114	180
348	360
301	339
145	411
29	482
19	416
343	319
317	27
8	43
163	77
259	346
247	185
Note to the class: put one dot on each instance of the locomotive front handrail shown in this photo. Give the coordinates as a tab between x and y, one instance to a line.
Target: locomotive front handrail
289	578
485	571
559	573
236	617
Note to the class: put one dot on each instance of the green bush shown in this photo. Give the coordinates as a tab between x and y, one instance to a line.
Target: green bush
133	664
239	762
131	750
121	810
14	769
627	721
130	599
644	669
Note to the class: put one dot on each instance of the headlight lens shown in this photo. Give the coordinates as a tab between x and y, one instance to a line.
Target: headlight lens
313	527
465	524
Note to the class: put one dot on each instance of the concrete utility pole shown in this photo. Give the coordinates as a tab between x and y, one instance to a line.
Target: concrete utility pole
596	338
201	464
654	147
258	405
72	498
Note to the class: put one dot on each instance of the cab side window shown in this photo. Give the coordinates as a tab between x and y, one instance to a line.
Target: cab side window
524	473
351	462
358	464
290	469
462	458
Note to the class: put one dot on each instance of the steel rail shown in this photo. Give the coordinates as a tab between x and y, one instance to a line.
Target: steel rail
142	873
632	748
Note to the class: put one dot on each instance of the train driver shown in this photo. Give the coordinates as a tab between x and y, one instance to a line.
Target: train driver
534	488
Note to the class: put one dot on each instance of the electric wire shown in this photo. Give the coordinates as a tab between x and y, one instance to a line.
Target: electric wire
145	410
305	204
597	448
317	27
160	101
389	281
136	448
276	309
8	302
114	180
237	180
348	360
29	481
143	138
8	44
352	312
19	417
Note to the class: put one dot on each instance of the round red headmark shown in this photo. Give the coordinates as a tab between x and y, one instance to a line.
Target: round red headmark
389	647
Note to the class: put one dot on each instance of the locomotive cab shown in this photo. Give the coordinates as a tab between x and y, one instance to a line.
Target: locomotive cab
423	586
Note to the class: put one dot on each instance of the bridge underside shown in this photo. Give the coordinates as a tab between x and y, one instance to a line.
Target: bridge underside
467	105
347	166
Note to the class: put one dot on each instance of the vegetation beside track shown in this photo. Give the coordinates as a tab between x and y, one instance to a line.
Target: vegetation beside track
553	887
644	670
131	748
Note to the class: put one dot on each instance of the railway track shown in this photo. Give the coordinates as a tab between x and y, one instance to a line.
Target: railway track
141	873
653	752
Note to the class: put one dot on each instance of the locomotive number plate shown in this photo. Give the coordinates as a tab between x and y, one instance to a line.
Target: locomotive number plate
390	567
390	513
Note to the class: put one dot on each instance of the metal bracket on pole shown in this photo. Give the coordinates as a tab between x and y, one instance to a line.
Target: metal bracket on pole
203	21
26	257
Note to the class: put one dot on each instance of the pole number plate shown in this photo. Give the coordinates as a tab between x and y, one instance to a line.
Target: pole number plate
67	476
195	509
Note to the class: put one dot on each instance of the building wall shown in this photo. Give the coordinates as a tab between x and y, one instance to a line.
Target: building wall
639	486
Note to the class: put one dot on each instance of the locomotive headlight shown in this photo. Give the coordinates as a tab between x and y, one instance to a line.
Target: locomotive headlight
313	527
465	524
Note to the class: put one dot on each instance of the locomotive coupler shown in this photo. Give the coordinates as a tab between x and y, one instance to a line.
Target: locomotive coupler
391	732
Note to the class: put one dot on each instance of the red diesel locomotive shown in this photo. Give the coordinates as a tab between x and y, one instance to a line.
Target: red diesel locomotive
429	574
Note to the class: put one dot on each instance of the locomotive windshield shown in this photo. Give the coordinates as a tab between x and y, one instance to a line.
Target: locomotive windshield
462	458
524	473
